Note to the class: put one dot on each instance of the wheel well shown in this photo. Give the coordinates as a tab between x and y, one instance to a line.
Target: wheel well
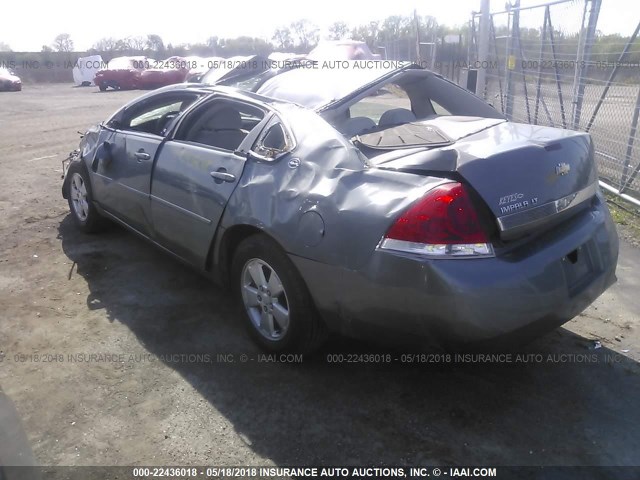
65	182
230	241
232	237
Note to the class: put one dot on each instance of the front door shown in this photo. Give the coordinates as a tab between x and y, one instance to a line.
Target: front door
123	174
196	173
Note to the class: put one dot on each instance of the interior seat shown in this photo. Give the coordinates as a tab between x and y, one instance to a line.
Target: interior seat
223	129
356	125
396	116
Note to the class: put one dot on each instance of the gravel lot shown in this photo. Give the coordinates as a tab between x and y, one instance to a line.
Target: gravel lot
65	296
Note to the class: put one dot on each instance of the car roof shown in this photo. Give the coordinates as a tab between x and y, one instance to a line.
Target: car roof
325	82
314	87
211	90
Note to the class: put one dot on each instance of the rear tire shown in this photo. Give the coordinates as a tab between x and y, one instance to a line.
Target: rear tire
80	198
277	307
102	86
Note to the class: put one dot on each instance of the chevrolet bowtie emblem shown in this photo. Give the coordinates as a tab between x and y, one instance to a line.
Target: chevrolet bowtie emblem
562	169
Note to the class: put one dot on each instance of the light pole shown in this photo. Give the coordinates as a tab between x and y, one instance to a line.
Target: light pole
483	47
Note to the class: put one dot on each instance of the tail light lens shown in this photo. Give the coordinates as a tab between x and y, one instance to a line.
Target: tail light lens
442	223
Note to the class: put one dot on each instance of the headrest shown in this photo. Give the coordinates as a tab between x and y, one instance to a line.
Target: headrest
356	125
397	116
226	118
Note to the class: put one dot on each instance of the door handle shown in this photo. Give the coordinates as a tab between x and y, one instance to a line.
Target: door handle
142	155
223	177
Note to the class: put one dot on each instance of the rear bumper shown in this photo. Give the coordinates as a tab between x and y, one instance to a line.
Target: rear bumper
517	295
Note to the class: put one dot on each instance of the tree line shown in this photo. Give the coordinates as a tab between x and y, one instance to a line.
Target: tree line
298	37
303	35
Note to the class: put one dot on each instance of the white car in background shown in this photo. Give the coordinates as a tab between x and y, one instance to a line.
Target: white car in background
9	81
85	70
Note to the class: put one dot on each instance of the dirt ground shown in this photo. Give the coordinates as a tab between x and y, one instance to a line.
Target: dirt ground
111	352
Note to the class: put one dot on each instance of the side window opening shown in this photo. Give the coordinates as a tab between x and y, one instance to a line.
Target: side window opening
407	100
155	117
389	105
439	109
274	139
221	124
389	97
273	142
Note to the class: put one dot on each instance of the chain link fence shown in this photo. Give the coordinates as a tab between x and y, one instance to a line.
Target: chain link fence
549	65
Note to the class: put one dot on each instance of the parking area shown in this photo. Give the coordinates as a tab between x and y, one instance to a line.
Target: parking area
115	354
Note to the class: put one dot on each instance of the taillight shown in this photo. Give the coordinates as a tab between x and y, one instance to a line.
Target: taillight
442	223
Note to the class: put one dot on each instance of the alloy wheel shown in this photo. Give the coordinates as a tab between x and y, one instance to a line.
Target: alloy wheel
79	199
265	299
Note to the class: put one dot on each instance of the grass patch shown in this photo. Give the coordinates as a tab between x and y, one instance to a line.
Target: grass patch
625	214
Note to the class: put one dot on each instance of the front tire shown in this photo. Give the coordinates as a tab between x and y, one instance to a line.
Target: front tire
80	198
278	309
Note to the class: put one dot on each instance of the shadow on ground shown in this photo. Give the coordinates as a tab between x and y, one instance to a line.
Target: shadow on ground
578	409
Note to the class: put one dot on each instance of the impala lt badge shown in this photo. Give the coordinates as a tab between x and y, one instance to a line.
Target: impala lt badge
562	169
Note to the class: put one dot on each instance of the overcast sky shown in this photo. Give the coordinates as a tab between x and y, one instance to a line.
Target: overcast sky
26	26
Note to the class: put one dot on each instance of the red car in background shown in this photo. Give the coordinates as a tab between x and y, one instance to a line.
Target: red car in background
122	73
9	81
164	72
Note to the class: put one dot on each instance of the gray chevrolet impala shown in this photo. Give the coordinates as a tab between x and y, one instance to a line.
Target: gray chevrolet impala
373	200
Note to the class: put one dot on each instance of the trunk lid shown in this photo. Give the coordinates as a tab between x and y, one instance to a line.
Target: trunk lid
528	175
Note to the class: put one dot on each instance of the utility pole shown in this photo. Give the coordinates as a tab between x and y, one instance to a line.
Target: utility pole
512	60
417	21
483	48
585	44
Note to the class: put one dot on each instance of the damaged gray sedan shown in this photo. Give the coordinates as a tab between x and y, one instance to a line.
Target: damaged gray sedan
386	203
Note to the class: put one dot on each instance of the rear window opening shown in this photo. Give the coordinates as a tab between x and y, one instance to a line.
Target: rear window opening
409	98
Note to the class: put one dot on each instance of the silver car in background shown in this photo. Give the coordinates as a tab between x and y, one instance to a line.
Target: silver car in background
377	200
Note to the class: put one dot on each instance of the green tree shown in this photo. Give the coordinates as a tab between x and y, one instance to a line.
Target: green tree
368	33
395	27
213	43
282	38
305	34
338	31
63	43
155	43
245	45
137	43
105	45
